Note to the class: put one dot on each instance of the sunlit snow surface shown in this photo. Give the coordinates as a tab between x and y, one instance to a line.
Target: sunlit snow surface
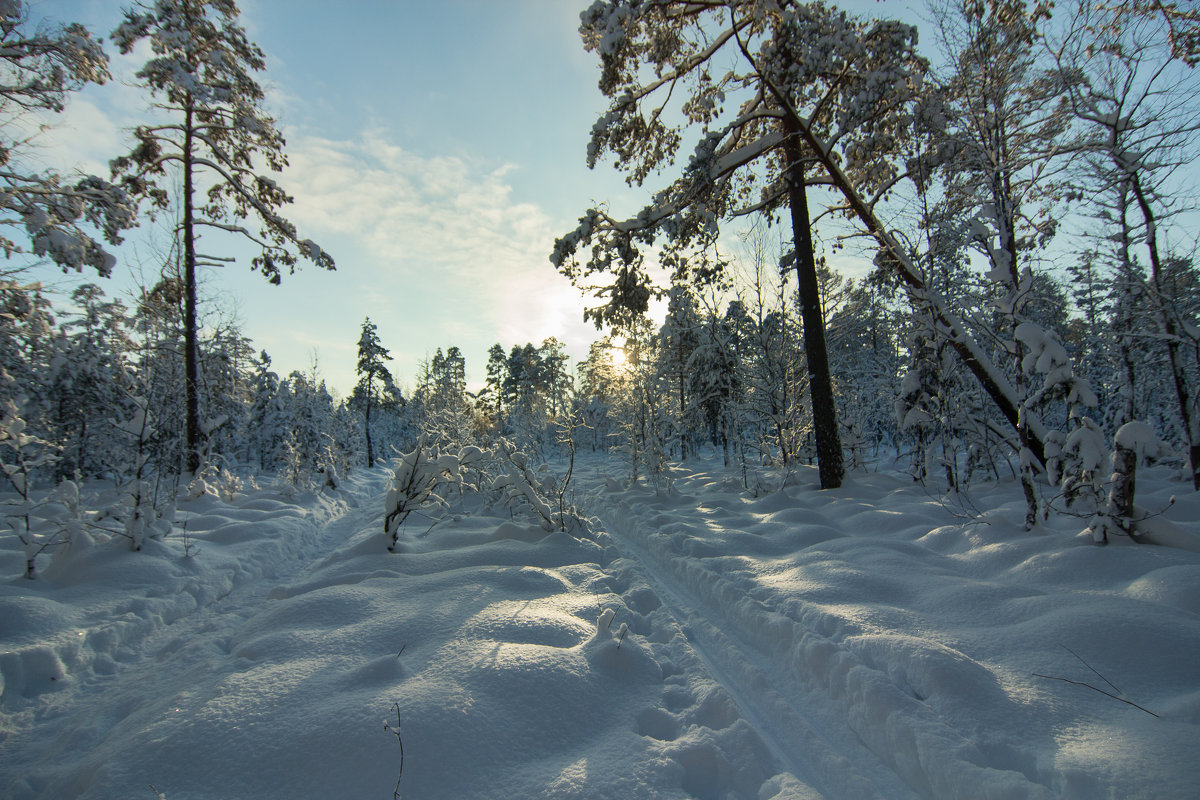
871	641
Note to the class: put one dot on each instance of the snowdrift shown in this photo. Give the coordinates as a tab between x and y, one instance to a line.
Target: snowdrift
696	641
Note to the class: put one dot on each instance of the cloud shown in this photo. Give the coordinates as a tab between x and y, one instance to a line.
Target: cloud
441	237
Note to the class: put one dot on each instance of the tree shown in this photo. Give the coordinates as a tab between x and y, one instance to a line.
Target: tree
679	339
819	91
1004	141
201	75
373	379
41	67
1134	91
491	398
90	385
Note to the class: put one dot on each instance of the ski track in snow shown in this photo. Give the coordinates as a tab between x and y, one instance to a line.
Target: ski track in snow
767	697
798	645
845	725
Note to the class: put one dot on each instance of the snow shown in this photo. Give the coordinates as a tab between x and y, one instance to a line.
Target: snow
693	641
1139	436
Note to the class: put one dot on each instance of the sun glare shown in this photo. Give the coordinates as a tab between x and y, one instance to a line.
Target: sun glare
617	354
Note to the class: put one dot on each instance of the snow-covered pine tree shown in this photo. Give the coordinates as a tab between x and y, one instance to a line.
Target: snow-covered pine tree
373	379
265	432
159	364
525	398
679	338
491	397
314	440
715	382
226	358
555	381
42	65
89	385
811	81
864	349
201	76
599	384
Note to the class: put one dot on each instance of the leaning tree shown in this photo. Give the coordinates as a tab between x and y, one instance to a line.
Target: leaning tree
210	129
821	99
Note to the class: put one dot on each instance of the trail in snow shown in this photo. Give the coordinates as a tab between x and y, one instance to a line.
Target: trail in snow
882	647
825	754
793	646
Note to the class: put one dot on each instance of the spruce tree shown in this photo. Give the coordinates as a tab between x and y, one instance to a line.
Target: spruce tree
373	379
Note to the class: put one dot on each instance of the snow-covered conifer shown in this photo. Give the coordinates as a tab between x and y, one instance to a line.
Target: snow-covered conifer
373	378
201	74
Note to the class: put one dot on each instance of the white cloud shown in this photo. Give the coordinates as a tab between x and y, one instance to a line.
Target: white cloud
441	243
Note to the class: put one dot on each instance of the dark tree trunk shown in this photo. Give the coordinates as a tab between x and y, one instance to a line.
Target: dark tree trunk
191	360
958	338
1171	335
820	386
367	428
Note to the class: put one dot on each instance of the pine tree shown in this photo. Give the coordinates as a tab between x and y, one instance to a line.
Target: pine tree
90	385
201	74
42	65
491	398
679	339
374	378
822	98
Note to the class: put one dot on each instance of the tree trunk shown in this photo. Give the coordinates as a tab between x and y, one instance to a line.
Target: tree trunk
367	428
191	359
820	387
1191	430
947	325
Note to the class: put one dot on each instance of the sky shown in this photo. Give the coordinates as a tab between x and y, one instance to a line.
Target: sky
436	151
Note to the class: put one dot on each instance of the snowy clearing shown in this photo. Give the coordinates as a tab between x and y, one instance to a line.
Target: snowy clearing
870	641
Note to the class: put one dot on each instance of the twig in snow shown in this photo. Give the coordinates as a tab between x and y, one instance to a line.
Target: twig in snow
1089	666
401	651
1095	689
396	732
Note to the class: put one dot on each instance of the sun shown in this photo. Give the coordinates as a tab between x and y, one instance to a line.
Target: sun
619	361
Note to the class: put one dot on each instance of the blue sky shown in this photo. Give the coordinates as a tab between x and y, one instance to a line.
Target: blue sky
436	151
436	148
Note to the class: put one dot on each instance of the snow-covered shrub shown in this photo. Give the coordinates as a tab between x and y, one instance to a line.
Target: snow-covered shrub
145	515
21	453
538	491
1080	462
427	480
419	484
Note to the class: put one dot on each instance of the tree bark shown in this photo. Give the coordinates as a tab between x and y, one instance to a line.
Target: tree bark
191	359
367	425
820	386
1191	430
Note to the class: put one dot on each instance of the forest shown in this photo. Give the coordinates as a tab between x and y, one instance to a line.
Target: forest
1020	181
1024	196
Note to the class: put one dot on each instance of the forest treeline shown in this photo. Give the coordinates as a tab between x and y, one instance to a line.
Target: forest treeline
1021	190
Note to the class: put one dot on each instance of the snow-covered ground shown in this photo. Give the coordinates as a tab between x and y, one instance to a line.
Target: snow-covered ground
871	641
